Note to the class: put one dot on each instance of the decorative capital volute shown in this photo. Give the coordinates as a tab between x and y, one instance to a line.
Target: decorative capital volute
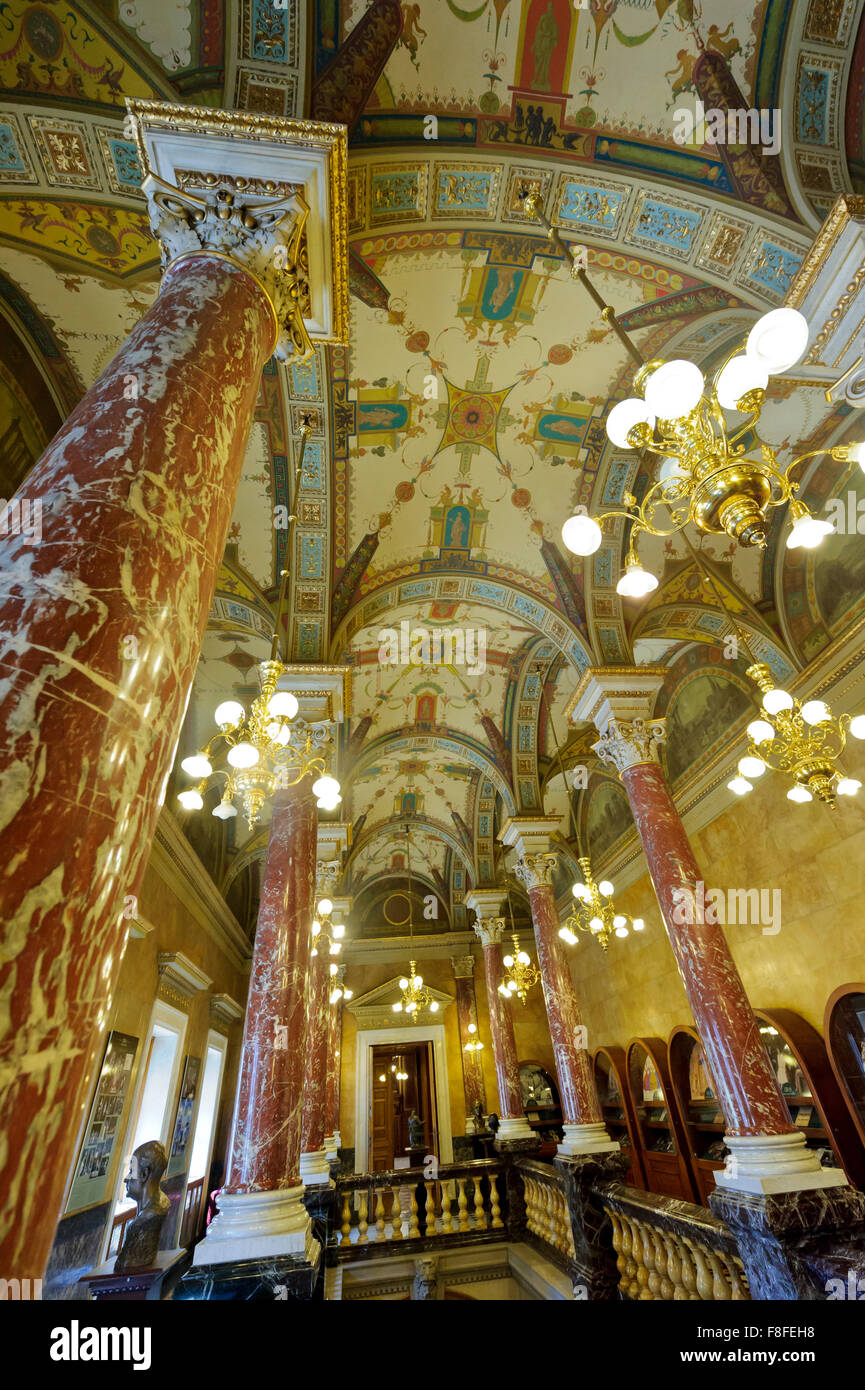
490	930
263	238
628	742
326	878
535	870
463	967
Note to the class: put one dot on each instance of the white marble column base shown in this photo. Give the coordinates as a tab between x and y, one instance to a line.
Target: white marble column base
587	1139
314	1168
256	1225
331	1145
517	1127
767	1163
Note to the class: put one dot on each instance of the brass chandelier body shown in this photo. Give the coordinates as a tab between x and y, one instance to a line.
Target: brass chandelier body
802	740
595	912
521	975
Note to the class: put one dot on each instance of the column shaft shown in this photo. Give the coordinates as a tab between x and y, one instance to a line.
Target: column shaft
749	1094
334	1049
503	1040
266	1139
313	1161
100	630
579	1094
474	1091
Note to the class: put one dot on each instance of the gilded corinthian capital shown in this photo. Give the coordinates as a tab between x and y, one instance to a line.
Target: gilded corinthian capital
533	870
627	742
263	237
489	930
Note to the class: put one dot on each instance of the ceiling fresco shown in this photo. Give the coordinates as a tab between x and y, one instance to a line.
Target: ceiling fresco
464	420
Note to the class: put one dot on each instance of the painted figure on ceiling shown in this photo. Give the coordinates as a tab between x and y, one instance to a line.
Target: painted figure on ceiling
543	47
457	528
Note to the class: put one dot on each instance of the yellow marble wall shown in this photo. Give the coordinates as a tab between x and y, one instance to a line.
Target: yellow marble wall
813	855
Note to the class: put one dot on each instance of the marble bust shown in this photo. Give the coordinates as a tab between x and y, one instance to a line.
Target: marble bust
146	1167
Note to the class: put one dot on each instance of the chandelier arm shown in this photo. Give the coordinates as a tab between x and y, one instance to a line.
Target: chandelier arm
753	417
840	453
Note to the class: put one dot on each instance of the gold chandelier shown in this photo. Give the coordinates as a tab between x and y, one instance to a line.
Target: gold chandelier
415	996
258	746
802	740
521	975
705	474
595	912
474	1043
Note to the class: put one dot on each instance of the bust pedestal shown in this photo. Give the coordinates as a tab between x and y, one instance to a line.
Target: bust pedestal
155	1282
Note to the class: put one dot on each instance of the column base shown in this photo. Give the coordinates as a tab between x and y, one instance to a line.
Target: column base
797	1246
587	1139
279	1279
255	1226
331	1146
768	1163
517	1127
314	1167
595	1276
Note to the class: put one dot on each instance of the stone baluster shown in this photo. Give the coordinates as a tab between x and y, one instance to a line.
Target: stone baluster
430	1210
495	1204
346	1219
395	1214
414	1227
447	1219
463	1205
379	1214
480	1213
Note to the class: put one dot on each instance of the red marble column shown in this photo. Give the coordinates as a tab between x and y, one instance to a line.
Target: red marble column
767	1153
100	630
266	1137
579	1096
748	1091
331	1101
501	1029
474	1091
313	1163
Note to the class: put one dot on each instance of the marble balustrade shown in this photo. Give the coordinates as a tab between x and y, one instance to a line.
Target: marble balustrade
374	1211
669	1250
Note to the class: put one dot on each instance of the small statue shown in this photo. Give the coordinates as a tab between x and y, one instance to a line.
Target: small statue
415	1131
493	1123
146	1167
478	1117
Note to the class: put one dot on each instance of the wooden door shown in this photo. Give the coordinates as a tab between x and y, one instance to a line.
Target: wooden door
382	1126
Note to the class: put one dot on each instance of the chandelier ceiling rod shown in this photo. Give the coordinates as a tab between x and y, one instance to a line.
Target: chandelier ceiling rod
283	574
534	208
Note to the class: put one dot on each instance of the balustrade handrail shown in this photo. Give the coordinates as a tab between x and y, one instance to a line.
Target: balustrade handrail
544	1171
390	1177
380	1213
669	1249
668	1213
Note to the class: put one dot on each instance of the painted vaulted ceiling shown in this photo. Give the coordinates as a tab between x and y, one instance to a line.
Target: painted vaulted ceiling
464	420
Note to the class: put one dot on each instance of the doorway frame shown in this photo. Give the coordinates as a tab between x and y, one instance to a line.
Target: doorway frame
367	1039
